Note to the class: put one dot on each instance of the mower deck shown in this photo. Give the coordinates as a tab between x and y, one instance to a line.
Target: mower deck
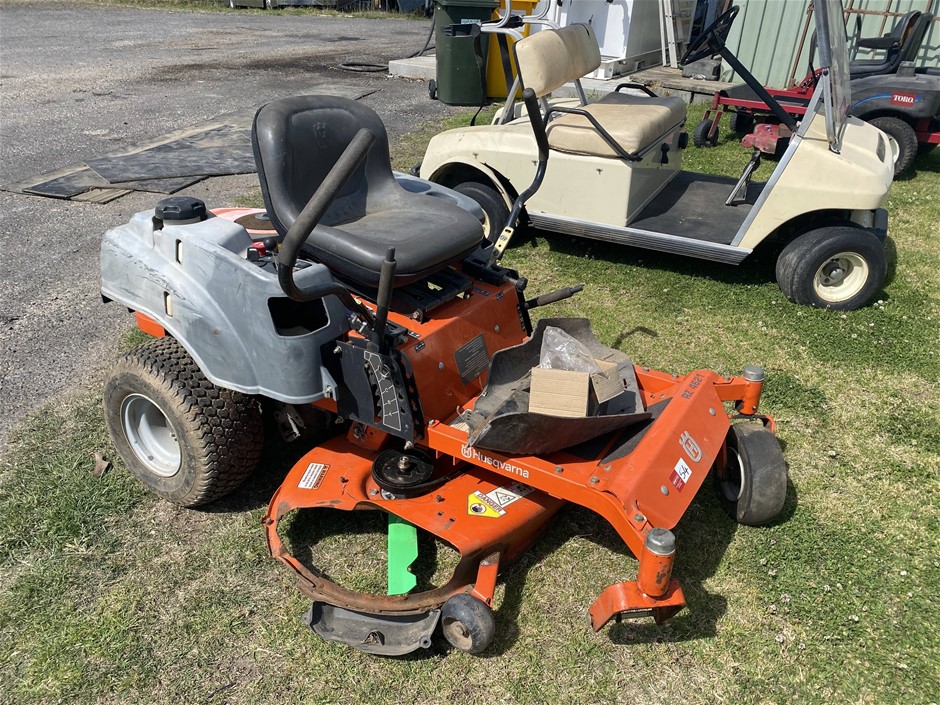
491	506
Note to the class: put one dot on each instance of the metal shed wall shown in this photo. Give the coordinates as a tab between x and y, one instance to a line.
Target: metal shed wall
767	33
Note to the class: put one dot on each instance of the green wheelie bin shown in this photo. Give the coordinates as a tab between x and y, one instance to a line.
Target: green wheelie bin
460	76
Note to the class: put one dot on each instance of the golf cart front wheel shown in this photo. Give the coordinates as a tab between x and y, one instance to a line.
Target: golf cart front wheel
839	267
700	136
752	482
185	439
495	212
904	141
467	623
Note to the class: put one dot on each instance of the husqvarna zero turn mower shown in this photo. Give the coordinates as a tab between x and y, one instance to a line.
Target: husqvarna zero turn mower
376	301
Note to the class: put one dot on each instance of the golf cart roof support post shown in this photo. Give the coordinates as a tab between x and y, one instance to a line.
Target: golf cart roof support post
755	85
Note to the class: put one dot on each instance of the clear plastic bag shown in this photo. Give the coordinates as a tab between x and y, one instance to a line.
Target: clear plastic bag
560	351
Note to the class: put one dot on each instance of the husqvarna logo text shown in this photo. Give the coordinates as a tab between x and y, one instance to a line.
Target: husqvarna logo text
472	453
690	447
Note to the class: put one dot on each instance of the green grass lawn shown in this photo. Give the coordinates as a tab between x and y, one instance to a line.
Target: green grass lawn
110	595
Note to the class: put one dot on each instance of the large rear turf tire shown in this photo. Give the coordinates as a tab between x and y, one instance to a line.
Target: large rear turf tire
186	440
904	137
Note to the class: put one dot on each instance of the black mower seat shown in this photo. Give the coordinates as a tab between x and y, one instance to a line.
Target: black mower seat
297	140
900	44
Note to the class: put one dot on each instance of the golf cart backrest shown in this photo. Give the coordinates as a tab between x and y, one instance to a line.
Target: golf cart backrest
550	58
619	125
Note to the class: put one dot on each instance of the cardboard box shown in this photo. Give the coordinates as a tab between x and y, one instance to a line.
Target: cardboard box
573	394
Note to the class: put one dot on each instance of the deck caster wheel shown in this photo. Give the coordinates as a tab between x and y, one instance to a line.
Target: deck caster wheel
905	141
752	485
495	212
837	267
467	623
741	123
700	136
186	440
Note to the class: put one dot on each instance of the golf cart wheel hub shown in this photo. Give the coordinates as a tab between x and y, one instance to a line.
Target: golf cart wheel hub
841	277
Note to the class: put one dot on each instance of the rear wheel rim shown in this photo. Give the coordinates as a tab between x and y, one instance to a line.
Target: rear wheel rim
841	277
151	435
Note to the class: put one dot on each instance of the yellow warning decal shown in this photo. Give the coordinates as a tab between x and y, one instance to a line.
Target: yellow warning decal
479	505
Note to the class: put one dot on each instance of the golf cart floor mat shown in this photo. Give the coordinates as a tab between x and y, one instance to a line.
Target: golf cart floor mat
165	164
691	205
501	420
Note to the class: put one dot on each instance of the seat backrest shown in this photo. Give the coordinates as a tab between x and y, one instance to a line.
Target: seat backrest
550	58
911	45
297	141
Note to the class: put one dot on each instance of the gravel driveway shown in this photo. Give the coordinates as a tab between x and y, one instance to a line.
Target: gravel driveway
77	81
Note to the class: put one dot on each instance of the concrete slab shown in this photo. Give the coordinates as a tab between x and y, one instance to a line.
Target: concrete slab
422	67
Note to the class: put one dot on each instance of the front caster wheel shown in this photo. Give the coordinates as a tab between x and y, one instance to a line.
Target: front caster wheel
467	623
700	136
186	440
752	483
839	267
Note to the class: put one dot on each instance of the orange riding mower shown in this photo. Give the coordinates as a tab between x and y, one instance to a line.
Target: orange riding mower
365	307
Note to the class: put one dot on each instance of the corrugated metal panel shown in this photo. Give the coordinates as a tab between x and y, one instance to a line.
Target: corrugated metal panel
767	34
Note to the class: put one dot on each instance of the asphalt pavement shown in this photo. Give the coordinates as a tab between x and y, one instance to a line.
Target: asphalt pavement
77	81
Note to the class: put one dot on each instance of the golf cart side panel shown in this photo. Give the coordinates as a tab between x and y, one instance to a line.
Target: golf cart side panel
195	281
857	179
594	189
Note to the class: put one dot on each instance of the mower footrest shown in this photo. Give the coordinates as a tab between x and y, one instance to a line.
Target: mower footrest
627	600
382	634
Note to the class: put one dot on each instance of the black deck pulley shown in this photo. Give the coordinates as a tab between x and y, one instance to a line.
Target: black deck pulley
402	473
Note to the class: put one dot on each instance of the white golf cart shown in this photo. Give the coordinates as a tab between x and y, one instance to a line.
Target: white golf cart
615	170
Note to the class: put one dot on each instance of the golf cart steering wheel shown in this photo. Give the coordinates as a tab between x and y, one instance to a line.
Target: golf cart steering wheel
712	39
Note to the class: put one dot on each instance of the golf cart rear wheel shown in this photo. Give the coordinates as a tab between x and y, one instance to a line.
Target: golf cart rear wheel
467	623
752	484
186	440
838	267
495	212
700	136
904	137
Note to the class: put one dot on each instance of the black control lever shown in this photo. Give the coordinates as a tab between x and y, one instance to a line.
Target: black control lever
379	341
554	296
298	233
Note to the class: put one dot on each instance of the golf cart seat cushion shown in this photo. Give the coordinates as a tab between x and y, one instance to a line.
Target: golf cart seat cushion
296	142
550	58
633	125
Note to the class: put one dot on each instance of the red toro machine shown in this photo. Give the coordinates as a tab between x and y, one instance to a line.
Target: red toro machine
374	301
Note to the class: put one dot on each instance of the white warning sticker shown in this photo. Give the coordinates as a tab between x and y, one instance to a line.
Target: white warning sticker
493	504
680	474
504	496
313	476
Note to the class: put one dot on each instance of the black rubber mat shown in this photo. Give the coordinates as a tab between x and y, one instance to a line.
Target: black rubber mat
74	180
693	206
168	163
